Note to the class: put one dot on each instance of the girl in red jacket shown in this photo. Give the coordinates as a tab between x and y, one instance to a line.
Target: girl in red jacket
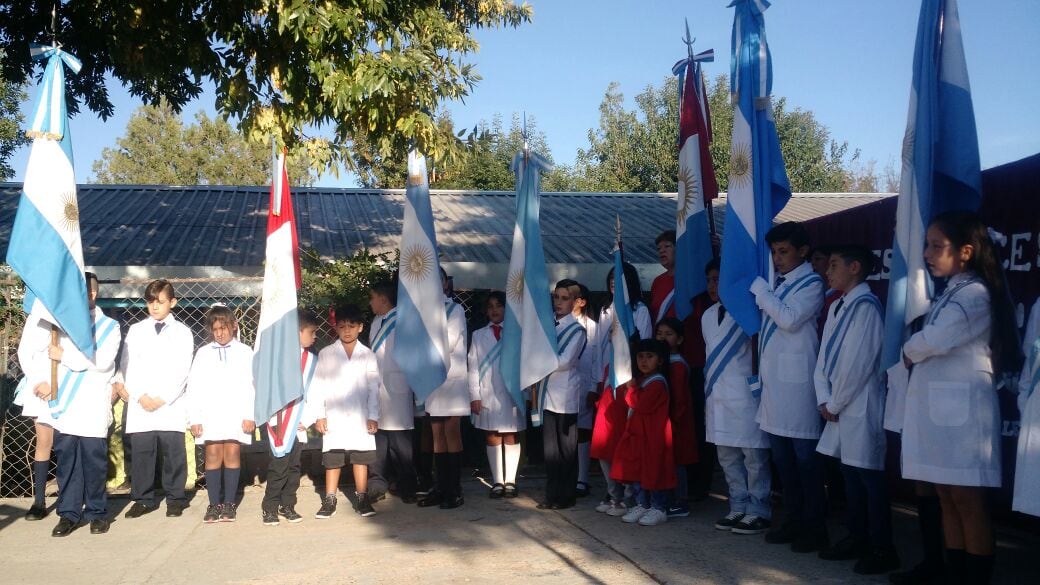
680	411
643	456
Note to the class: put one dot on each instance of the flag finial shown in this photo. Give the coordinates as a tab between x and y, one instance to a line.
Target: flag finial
689	40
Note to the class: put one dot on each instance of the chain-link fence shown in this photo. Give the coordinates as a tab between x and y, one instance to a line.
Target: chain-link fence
124	301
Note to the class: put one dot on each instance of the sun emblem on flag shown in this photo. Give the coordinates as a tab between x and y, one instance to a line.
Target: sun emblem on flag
740	165
689	189
416	262
515	286
69	211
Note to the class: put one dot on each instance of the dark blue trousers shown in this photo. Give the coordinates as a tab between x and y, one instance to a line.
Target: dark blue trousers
801	472
82	471
869	515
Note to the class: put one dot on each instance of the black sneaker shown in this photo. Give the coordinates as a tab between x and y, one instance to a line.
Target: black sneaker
36	513
581	490
510	490
290	515
785	534
228	512
877	561
729	521
751	524
140	509
212	514
328	507
175	509
678	511
364	506
269	518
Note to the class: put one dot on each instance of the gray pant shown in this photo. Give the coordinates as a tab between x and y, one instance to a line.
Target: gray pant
748	478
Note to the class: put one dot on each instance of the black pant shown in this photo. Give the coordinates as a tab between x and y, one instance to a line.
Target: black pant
801	471
700	474
869	514
283	480
393	452
146	447
560	444
82	470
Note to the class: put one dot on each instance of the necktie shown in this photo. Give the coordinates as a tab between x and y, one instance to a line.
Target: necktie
159	325
222	352
841	302
722	314
779	280
497	330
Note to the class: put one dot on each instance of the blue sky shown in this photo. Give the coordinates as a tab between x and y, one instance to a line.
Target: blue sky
847	61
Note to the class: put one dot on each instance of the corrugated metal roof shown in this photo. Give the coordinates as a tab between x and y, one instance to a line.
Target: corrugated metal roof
159	225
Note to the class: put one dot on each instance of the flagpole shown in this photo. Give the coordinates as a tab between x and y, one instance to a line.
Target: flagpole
54	328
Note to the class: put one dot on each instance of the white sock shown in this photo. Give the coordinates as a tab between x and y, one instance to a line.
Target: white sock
494	455
512	462
583	462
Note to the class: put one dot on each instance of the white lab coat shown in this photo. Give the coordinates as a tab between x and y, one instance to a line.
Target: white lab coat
452	397
1027	461
88	413
588	365
788	406
853	389
396	401
220	394
951	429
498	410
730	408
565	382
156	365
345	392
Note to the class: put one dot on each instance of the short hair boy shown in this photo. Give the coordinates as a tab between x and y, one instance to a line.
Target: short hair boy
851	399
344	401
153	373
788	412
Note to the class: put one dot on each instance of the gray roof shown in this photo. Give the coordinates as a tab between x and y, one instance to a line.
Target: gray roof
159	225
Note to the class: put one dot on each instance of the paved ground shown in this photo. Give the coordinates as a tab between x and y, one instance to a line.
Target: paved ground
504	540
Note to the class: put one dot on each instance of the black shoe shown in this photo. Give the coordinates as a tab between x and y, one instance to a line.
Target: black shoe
877	561
36	513
213	514
424	487
581	490
432	498
845	549
140	509
364	506
290	515
923	573
100	526
228	512
269	518
451	502
750	524
175	509
64	527
409	499
510	490
785	534
328	507
546	505
810	541
497	491
563	505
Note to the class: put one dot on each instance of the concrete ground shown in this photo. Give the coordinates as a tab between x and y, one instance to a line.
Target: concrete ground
503	540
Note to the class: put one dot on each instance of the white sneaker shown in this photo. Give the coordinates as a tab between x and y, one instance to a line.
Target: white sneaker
617	509
653	517
634	514
604	506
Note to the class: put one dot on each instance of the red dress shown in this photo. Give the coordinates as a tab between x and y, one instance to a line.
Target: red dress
610	423
644	453
680	411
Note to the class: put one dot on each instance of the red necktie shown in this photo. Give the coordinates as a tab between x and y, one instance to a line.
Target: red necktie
497	330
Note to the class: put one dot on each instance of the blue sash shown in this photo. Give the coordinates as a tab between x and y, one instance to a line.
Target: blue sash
385	328
489	361
298	406
720	357
841	330
1034	365
768	325
669	302
945	299
563	339
71	382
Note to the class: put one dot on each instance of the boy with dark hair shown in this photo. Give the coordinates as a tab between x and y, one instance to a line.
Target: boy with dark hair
788	412
153	373
283	472
344	402
396	402
851	399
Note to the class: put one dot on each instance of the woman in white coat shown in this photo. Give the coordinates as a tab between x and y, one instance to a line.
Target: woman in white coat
494	410
1027	464
951	427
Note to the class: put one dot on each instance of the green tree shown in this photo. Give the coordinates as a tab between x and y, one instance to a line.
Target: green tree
341	67
12	135
158	148
327	283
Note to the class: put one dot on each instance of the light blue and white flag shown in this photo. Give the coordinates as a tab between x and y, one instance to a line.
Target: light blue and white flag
45	247
528	332
622	325
758	186
421	341
941	170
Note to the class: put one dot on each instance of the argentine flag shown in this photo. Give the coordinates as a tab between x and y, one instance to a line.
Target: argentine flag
941	170
622	325
697	185
529	333
421	346
276	361
45	247
758	186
